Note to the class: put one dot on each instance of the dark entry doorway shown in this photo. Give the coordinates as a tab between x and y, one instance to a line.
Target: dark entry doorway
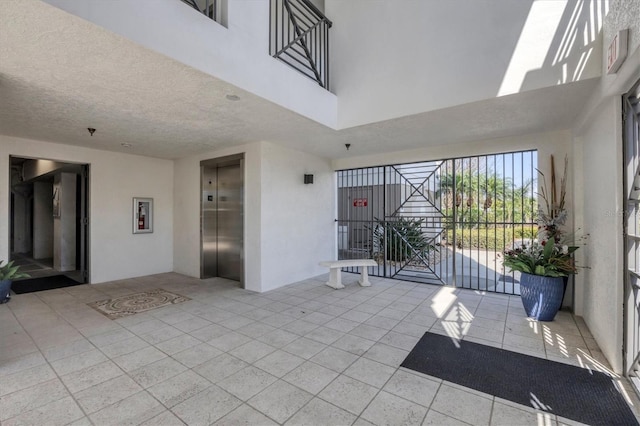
49	217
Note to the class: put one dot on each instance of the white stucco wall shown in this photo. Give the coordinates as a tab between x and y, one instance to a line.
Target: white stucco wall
288	226
298	220
115	252
601	183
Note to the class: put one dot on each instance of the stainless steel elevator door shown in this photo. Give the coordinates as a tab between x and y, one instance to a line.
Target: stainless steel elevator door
222	222
229	222
209	222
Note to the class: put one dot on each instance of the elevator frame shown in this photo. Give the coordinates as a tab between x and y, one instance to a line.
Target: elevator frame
230	160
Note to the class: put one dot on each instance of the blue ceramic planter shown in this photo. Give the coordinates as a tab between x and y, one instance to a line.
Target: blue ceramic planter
5	291
541	296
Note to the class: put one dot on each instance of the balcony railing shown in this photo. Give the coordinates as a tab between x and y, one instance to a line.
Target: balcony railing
300	38
210	8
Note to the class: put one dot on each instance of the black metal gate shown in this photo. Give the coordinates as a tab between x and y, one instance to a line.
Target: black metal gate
440	222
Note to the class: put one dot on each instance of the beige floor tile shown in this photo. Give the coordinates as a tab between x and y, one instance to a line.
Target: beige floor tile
139	358
22	362
60	412
413	387
280	401
124	347
220	367
31	398
229	341
156	372
349	394
196	355
166	418
107	393
279	363
178	344
26	378
78	362
207	406
63	351
370	372
311	377
179	388
434	418
325	335
245	416
465	406
247	382
334	359
321	413
386	354
388	409
252	351
162	334
304	348
91	376
354	344
508	415
370	332
132	410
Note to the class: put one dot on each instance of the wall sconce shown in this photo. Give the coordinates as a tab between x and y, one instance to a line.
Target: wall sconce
308	179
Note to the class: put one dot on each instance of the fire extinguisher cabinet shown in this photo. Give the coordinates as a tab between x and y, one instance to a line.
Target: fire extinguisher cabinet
142	215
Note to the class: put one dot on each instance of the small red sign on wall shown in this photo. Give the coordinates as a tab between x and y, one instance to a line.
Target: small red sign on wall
360	202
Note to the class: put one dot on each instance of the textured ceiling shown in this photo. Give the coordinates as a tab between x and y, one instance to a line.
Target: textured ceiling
60	74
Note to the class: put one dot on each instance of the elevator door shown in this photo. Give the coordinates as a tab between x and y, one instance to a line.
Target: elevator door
222	221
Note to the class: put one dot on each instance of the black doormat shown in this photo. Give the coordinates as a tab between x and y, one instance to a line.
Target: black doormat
44	283
575	393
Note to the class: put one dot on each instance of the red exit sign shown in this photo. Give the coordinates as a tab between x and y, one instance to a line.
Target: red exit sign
617	51
360	202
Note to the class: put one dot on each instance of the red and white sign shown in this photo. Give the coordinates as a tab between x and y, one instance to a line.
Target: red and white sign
617	51
360	202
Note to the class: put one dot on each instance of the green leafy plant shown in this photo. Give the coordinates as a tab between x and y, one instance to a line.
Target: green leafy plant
402	239
10	272
548	258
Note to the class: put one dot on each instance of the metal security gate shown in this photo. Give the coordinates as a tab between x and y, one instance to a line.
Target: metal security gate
440	222
631	223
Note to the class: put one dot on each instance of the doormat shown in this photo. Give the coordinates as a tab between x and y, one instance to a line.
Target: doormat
43	283
135	303
576	393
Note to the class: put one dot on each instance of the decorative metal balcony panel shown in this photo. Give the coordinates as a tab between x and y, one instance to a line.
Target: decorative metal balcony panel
210	8
300	38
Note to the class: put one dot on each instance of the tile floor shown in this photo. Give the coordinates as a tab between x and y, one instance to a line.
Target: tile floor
302	354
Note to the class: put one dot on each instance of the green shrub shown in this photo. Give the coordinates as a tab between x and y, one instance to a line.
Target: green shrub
490	238
404	238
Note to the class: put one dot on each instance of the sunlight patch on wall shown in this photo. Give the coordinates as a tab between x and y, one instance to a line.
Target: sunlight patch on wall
556	44
533	45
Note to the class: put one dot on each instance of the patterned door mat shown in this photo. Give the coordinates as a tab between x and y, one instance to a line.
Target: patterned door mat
136	303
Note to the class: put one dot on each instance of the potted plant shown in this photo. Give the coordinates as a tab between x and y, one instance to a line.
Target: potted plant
8	273
546	262
543	265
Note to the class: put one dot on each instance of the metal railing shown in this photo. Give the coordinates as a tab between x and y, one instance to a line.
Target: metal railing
299	37
209	8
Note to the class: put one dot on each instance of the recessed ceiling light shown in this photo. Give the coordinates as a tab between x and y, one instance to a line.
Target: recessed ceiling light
233	98
126	145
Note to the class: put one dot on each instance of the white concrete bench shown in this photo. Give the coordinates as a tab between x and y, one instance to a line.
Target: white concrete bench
335	276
